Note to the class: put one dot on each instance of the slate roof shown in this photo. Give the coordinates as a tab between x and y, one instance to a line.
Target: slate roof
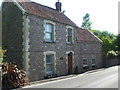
46	12
86	35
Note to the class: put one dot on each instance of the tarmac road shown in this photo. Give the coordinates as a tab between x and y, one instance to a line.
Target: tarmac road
105	78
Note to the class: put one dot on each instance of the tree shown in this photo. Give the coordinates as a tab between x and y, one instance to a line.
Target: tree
118	42
109	41
86	22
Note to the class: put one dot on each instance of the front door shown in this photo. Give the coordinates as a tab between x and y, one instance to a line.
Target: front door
70	63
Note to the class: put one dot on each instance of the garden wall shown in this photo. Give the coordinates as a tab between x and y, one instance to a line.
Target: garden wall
110	62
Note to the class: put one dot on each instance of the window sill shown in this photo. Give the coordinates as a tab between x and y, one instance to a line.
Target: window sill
49	72
85	67
49	41
69	43
94	66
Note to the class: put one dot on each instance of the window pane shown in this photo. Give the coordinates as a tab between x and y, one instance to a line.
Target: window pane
69	32
49	28
49	67
49	64
70	39
48	59
93	61
49	32
48	36
84	61
69	35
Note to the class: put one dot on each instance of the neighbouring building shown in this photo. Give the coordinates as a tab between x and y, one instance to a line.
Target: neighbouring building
44	41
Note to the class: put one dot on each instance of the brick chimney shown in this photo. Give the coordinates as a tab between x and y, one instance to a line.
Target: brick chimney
58	6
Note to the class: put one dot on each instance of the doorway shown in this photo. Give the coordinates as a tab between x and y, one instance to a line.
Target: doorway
70	63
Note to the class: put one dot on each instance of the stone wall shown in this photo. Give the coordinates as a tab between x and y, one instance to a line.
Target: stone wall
90	51
12	20
110	62
38	46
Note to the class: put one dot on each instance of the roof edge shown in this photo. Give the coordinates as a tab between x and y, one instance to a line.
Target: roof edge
19	6
95	36
16	3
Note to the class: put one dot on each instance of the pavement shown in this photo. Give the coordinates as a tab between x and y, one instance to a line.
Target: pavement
52	79
61	77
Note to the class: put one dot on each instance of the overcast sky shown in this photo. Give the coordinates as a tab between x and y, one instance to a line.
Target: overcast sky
103	13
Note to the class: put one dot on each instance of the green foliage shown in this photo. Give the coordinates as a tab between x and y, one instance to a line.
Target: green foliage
86	22
109	42
111	54
118	42
2	52
12	76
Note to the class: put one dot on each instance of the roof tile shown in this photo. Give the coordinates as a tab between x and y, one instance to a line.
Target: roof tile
86	35
46	12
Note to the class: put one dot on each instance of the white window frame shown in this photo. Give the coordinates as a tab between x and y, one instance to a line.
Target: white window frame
93	64
53	31
84	65
54	62
67	28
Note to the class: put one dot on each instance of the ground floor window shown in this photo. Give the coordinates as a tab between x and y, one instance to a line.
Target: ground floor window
85	62
49	64
93	62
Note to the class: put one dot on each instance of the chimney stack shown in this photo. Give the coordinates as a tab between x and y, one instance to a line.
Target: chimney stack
58	6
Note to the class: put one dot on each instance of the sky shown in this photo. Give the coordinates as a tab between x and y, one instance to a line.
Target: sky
103	13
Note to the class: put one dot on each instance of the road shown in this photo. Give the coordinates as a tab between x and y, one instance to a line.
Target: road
105	78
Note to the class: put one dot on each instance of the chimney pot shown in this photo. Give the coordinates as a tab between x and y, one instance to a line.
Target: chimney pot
58	6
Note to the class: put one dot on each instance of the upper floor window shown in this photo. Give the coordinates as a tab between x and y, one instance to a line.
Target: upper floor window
69	35
49	32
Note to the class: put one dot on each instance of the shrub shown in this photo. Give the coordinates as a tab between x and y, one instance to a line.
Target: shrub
12	77
2	52
111	54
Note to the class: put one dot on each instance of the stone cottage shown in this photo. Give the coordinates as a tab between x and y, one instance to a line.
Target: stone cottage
44	41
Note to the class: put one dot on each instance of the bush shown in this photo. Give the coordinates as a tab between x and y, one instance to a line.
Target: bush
2	52
111	54
12	77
